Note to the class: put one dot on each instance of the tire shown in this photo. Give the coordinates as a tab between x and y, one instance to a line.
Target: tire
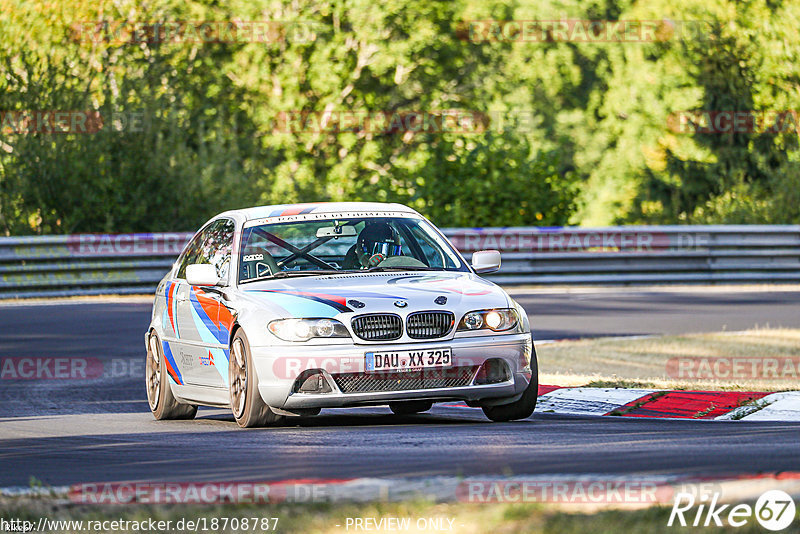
159	395
247	406
410	407
522	408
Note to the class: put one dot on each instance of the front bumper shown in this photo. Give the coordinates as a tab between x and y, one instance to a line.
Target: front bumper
278	367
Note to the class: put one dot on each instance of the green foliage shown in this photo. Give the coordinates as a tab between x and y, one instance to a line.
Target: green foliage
494	181
193	128
169	154
742	60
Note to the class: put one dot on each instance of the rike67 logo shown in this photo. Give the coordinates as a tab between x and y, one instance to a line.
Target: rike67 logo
774	510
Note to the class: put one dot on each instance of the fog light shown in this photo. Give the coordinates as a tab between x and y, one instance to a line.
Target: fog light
311	381
492	371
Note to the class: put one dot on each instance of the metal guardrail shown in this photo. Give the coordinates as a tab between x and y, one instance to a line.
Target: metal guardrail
88	264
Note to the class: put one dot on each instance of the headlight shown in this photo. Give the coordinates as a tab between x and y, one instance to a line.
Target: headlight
496	320
305	329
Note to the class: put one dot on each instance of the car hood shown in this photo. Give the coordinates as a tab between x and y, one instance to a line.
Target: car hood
397	292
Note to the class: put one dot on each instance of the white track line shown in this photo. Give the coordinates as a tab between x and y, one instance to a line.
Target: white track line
775	407
588	401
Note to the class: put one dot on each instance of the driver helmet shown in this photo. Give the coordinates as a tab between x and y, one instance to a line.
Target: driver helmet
376	242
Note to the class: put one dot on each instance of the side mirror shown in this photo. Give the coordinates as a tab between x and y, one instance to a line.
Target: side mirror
202	274
486	261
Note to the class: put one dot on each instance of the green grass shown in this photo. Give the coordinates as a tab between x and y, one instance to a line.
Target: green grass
643	363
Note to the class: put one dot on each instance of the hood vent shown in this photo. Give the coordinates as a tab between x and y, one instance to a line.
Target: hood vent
361	275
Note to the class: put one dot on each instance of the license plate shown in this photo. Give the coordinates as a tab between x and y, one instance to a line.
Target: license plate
401	360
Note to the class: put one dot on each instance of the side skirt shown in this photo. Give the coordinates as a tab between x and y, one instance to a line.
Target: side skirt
203	395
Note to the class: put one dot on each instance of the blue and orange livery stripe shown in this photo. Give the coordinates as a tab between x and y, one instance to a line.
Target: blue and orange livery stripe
206	312
172	367
206	304
225	321
337	302
170	294
300	209
215	316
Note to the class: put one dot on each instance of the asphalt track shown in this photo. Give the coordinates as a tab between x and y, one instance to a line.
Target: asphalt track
68	431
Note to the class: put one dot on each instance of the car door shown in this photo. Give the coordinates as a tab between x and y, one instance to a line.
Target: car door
175	291
201	315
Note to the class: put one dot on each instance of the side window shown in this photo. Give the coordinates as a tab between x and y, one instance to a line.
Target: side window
217	246
190	254
214	246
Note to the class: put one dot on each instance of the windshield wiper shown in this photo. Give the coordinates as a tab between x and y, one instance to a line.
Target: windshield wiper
289	274
320	272
328	272
398	268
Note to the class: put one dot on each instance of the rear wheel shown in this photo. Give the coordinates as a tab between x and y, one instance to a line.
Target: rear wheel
410	407
248	408
522	408
159	395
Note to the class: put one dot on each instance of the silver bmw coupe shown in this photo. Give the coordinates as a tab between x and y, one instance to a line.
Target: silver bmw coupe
280	311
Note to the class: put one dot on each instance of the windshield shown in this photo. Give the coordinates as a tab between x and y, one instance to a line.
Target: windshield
343	245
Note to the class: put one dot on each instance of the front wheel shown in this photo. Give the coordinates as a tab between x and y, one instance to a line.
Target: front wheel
248	407
522	408
159	395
